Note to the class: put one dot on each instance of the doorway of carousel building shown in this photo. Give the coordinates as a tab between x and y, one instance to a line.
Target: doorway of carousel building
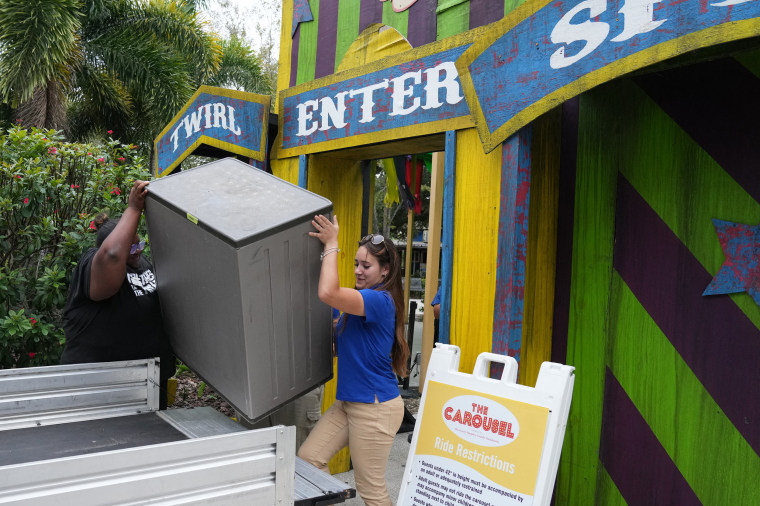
395	190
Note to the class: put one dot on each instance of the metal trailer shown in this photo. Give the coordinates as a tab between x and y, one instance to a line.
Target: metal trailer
91	434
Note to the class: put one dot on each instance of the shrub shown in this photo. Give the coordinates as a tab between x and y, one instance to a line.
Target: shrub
50	191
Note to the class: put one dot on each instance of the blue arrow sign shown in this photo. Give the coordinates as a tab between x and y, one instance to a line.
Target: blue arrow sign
546	52
231	120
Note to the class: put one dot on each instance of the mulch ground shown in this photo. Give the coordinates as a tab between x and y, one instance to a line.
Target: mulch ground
192	392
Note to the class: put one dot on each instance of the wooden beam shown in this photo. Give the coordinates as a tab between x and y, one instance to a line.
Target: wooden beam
447	236
408	263
433	260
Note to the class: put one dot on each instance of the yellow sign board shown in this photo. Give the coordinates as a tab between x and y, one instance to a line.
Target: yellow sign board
478	446
484	441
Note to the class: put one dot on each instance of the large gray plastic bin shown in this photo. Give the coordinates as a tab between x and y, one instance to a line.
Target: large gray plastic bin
237	276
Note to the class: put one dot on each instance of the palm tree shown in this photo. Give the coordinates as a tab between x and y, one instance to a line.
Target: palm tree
38	49
240	68
96	65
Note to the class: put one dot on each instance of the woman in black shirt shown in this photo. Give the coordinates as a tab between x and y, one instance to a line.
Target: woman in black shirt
113	312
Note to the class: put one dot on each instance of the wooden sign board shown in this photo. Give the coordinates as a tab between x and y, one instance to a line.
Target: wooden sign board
231	120
412	94
547	51
484	441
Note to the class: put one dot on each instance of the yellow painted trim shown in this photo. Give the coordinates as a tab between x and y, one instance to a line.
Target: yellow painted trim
474	249
340	181
286	48
286	169
406	132
374	66
541	261
374	43
209	141
260	155
715	35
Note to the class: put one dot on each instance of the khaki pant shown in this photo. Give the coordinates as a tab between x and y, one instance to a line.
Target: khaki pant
369	431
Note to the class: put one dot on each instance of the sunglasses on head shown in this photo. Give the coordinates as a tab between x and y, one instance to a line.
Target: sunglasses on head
373	238
137	247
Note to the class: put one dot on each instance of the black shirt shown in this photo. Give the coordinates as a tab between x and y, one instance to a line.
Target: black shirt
126	326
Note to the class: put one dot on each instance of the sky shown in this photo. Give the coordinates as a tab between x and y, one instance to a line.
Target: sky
261	20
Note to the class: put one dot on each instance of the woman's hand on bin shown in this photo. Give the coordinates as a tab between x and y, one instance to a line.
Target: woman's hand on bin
326	230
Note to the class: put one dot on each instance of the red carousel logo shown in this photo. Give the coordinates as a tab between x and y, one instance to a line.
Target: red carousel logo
481	421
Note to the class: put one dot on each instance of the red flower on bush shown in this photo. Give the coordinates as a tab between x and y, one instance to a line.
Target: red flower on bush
116	191
92	225
32	354
121	159
18	176
26	200
75	186
110	132
101	159
89	154
52	151
33	321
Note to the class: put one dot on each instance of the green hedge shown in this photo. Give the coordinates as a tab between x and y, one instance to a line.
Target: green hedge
50	191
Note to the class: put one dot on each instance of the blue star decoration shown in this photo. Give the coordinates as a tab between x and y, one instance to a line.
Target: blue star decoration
301	14
741	270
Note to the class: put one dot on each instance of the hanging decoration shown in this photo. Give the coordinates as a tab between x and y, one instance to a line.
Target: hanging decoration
403	185
391	186
414	179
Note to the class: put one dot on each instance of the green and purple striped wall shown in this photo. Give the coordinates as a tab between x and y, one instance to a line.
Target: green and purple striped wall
666	405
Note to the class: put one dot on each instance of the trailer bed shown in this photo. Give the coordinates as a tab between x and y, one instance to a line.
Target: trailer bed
77	453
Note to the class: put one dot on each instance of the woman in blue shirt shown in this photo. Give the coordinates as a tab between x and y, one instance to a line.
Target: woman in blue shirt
371	351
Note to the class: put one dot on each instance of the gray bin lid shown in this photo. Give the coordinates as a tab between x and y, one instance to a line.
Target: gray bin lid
235	201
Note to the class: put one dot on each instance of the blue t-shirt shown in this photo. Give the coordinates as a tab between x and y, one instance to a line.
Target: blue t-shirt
364	351
437	298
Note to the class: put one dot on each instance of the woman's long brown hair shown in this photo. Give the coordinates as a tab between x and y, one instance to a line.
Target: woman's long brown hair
386	255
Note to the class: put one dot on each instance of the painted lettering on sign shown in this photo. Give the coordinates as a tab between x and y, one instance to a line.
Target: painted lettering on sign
223	116
638	18
415	93
231	120
404	99
546	52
